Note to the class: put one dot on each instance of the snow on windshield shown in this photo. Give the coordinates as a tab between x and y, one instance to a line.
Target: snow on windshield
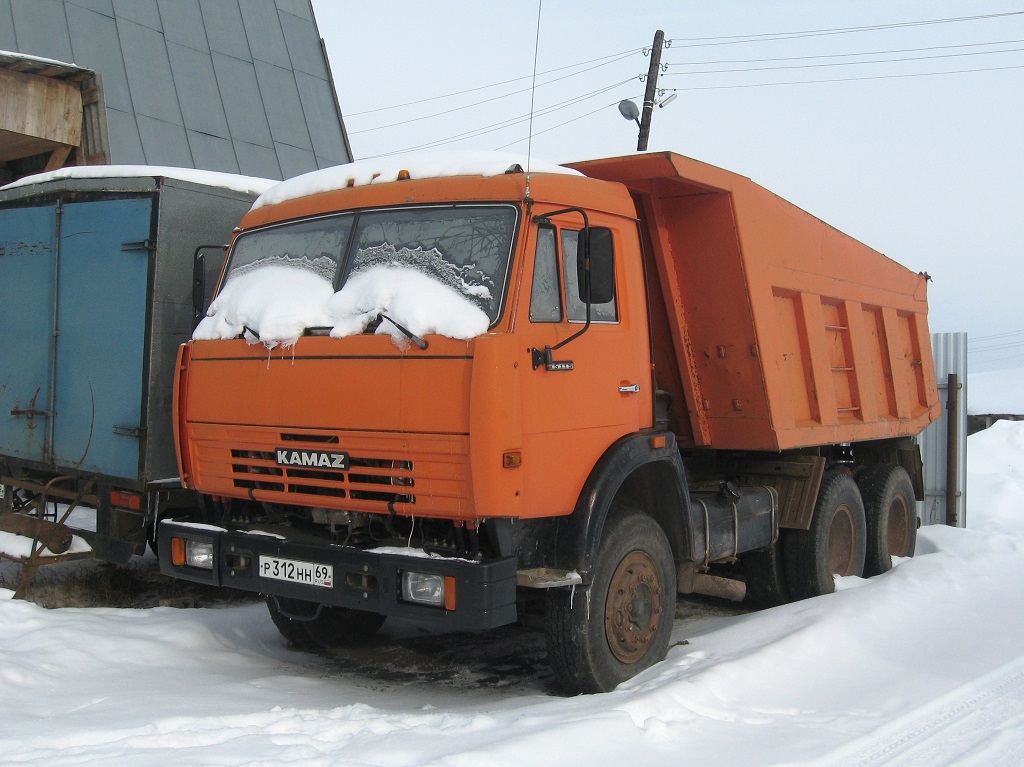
431	269
276	304
410	298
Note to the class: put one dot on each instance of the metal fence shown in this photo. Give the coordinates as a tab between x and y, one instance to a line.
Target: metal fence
945	468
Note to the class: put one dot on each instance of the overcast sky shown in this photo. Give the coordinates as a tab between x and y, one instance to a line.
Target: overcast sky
920	154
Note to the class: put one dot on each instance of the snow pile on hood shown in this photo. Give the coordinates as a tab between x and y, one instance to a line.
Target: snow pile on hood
411	298
276	304
419	165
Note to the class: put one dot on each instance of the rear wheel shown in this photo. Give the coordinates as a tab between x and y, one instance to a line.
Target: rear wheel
620	625
765	575
889	504
834	544
308	625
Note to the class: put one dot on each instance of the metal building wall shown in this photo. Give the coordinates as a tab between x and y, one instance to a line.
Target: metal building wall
950	351
241	86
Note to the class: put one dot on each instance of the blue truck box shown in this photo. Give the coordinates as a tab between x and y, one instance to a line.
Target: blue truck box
101	279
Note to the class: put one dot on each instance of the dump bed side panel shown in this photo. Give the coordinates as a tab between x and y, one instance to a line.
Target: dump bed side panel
782	331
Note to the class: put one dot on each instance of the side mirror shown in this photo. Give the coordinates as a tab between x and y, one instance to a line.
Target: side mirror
200	284
602	265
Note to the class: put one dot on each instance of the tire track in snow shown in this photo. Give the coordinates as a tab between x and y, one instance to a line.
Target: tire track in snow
976	724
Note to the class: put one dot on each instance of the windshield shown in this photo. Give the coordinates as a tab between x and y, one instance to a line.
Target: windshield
436	269
315	246
465	248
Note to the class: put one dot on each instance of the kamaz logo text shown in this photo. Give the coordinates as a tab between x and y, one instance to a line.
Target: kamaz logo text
320	459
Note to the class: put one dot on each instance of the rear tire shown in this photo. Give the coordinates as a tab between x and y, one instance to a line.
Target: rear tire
891	510
765	574
326	627
604	634
834	544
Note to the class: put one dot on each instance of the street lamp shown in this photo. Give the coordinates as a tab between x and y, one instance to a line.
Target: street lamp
630	111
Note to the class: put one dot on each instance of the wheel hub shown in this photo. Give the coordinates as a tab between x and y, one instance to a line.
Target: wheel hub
842	541
633	608
899	527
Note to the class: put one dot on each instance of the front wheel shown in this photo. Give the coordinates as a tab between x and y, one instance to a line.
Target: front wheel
606	633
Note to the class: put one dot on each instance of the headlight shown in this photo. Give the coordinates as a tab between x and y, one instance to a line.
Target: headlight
429	589
188	553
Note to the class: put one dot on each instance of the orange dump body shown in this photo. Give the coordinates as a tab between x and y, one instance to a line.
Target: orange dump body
776	330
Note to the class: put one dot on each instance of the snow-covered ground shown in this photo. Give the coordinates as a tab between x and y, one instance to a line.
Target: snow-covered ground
923	665
996	392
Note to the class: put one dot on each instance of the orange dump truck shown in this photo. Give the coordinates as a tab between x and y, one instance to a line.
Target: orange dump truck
459	395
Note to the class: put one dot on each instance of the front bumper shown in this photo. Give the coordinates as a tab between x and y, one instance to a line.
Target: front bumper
363	580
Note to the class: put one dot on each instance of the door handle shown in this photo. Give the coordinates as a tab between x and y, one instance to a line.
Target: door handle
631	389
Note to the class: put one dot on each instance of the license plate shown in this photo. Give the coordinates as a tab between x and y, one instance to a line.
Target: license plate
296	571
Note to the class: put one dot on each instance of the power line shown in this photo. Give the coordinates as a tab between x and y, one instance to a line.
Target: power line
505	123
849	63
715	41
694	42
616	56
484	101
995	348
845	79
561	124
844	55
999	335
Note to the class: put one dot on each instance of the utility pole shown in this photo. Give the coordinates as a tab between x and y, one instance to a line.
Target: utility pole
651	92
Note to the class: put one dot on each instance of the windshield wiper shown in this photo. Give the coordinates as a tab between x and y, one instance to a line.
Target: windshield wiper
404	331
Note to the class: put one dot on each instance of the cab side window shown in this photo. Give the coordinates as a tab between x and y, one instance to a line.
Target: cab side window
577	309
546	299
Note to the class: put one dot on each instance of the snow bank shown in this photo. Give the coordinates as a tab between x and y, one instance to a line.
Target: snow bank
236	183
997	391
922	665
419	165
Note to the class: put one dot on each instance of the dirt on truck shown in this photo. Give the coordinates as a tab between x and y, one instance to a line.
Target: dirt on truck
452	392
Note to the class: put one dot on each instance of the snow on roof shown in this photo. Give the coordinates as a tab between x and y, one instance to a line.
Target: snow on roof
419	165
234	182
14	55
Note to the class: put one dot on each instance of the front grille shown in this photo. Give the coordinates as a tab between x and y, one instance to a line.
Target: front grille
427	472
370	480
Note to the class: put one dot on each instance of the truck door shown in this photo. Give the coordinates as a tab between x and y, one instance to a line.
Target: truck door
101	314
26	316
598	387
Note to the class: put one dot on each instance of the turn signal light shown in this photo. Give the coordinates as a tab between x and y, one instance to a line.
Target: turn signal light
187	553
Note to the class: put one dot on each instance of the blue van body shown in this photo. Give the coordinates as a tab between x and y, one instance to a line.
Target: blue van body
97	289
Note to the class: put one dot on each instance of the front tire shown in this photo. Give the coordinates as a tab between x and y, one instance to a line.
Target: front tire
604	634
765	575
834	544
